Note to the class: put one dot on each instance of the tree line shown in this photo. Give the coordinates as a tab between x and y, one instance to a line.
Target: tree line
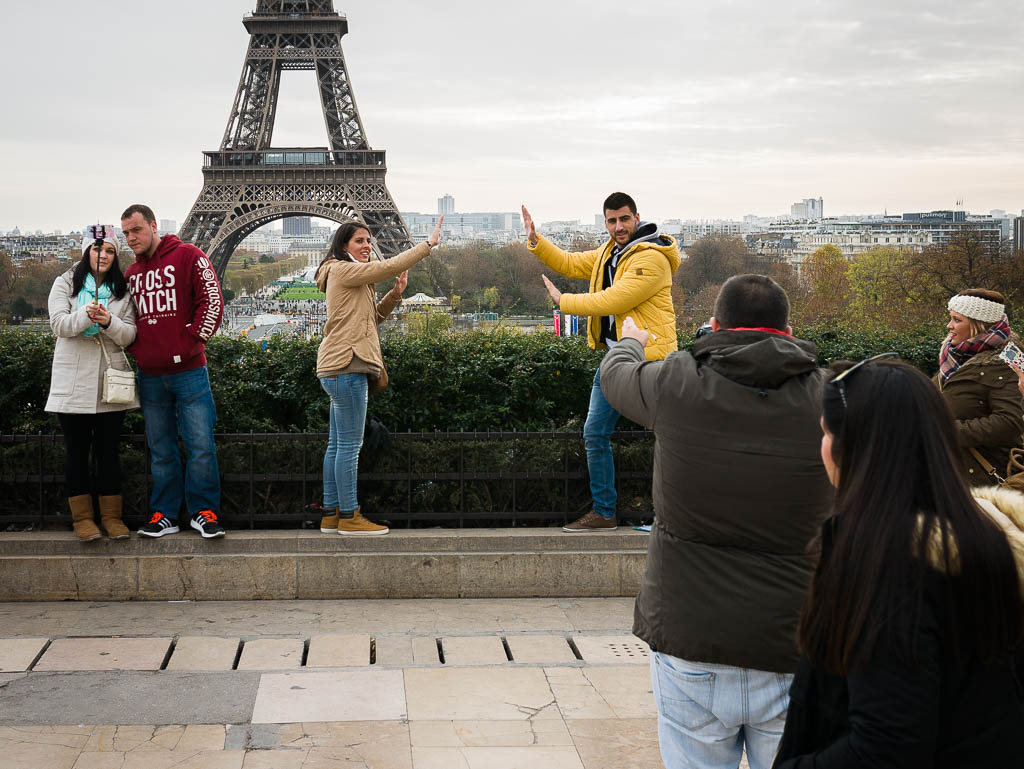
884	287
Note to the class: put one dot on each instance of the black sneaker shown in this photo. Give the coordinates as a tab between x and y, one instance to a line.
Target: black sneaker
159	525
205	522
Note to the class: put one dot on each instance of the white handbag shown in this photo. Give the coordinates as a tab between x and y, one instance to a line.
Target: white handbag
118	386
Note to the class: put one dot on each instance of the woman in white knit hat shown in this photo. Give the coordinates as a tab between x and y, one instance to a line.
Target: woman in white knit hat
92	316
981	389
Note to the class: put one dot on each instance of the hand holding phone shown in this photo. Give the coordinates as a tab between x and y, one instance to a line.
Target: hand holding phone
1013	357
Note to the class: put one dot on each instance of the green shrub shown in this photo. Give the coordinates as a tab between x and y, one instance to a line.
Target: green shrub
497	379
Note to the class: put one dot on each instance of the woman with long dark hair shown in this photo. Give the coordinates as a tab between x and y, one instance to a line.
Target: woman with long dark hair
980	389
94	319
349	362
914	612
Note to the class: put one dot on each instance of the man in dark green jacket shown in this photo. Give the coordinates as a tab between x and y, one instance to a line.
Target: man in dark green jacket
739	492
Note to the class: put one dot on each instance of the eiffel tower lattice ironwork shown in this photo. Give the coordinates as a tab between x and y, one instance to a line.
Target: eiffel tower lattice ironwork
248	183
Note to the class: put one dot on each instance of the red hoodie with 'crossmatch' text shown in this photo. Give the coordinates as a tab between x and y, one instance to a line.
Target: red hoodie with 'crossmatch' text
179	303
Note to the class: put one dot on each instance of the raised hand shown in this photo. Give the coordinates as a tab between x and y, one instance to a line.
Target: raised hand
631	331
435	236
400	283
531	231
554	292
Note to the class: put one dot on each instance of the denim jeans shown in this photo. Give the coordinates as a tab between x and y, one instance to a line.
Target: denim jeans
597	437
173	405
706	713
348	420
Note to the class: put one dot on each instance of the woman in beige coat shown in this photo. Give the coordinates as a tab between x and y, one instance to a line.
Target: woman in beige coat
89	307
349	360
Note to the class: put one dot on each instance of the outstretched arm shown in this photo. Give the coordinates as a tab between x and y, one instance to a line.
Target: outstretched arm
571	265
629	382
359	273
641	281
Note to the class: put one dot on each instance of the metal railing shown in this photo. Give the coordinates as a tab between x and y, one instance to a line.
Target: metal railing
424	479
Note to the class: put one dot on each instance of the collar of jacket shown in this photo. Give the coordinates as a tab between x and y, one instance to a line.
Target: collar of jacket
756	358
761	328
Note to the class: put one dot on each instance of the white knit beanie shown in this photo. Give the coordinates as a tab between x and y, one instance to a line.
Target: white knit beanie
976	308
93	232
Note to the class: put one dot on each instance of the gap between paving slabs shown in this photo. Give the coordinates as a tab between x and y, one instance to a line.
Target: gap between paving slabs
215	653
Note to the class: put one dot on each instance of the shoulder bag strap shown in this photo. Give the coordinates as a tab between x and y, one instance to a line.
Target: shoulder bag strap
128	363
987	466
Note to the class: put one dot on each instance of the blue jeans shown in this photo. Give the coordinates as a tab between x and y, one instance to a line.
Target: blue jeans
173	405
707	712
597	437
348	420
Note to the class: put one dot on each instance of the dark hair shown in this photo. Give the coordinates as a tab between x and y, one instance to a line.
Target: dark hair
114	276
904	516
341	238
618	200
752	301
139	208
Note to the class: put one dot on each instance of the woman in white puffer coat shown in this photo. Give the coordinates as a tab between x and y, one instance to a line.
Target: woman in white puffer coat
91	313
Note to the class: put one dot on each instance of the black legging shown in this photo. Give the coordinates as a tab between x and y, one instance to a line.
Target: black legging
102	434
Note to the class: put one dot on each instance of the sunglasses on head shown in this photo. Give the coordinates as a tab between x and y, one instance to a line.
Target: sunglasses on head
839	380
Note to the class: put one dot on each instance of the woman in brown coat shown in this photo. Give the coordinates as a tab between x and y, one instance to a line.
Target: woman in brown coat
349	360
979	387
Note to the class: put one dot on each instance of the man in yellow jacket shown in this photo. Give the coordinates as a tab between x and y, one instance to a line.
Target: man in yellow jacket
630	275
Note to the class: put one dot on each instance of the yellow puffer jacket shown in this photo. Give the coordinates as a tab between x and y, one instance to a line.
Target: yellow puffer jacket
642	288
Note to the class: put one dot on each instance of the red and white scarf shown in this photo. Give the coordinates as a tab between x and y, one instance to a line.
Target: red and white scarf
953	356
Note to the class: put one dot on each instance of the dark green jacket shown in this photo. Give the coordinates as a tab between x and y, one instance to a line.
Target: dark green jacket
739	492
984	399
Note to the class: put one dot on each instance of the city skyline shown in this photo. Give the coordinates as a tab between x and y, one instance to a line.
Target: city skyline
741	108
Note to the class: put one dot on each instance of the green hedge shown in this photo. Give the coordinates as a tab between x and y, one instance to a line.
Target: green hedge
483	380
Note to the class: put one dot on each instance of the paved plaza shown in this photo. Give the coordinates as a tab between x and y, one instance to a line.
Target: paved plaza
380	684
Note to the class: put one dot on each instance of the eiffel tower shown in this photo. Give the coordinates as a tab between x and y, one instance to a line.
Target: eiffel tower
248	183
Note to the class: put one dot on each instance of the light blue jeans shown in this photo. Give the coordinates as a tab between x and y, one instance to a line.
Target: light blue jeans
706	713
597	437
348	420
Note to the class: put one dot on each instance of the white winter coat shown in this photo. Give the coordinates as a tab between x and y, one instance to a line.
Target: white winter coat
76	379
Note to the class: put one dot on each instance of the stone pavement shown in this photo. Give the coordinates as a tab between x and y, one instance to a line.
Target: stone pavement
372	684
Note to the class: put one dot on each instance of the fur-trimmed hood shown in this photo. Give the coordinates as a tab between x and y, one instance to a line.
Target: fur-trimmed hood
1006	508
1002	505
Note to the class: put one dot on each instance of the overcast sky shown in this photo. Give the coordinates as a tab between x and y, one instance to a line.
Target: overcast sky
709	109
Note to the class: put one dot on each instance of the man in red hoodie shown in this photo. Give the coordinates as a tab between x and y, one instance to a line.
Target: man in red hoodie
179	303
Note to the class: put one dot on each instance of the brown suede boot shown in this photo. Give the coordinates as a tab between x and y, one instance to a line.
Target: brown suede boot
110	517
82	516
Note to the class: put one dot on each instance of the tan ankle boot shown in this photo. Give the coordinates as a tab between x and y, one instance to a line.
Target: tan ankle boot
110	517
359	525
82	516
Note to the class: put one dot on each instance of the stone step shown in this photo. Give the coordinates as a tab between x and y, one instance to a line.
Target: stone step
253	565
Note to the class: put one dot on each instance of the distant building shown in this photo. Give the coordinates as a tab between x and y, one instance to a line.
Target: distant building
297	226
1018	233
168	227
561	225
500	227
808	208
445	205
909	232
44	247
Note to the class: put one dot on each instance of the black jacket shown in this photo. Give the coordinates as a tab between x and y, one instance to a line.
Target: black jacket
739	492
935	714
